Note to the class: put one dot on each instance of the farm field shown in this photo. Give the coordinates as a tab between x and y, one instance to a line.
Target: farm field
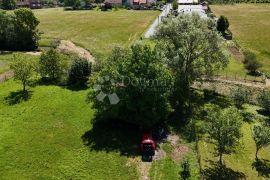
96	31
250	26
44	137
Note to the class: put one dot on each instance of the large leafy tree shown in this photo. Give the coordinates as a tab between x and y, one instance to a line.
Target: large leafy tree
133	86
223	128
193	48
23	69
18	31
261	136
26	28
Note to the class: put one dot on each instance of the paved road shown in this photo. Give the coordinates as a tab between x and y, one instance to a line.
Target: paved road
152	29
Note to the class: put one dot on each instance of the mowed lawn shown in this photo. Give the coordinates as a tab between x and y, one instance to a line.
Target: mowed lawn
41	138
95	30
250	25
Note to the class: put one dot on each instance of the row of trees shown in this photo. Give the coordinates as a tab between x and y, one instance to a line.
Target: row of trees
224	130
52	67
19	31
241	95
8	4
152	81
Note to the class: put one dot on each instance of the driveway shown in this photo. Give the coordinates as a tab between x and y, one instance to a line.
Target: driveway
152	29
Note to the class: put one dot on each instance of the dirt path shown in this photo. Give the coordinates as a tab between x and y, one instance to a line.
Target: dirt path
69	47
6	75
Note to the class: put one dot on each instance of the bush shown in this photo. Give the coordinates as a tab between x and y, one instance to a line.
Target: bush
106	6
240	95
264	100
51	65
79	71
185	173
251	62
222	24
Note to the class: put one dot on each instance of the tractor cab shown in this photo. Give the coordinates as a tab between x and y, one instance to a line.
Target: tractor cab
148	146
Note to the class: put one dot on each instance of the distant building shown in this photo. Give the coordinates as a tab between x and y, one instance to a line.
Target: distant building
114	2
33	4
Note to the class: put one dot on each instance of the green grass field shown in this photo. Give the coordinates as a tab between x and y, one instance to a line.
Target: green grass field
240	162
41	138
250	26
97	31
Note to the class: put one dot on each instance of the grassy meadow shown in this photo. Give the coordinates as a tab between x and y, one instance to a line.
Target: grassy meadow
97	31
250	26
43	137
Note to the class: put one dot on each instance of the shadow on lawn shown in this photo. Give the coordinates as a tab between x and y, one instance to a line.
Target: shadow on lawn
18	97
111	138
262	166
221	172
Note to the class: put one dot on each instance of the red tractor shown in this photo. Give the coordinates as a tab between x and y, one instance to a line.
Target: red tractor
148	146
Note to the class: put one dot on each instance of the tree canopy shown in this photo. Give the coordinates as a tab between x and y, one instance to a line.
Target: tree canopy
193	48
261	136
133	86
8	4
223	128
19	31
23	69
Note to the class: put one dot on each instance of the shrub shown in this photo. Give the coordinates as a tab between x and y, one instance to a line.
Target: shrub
185	173
222	24
79	71
251	62
106	6
51	66
264	100
240	95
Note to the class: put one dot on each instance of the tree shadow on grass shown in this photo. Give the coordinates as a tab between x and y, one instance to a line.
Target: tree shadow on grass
77	87
221	172
18	97
263	112
262	166
110	137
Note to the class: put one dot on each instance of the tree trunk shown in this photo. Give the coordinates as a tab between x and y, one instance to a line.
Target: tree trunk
256	155
24	84
220	158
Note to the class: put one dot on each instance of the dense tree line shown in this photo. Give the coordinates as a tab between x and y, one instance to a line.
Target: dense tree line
8	4
19	31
